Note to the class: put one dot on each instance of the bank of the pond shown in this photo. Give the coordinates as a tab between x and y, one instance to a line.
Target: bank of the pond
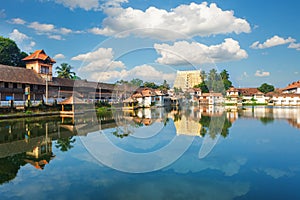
28	114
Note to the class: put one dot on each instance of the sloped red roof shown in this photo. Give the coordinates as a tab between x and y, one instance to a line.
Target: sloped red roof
39	55
293	85
73	100
249	91
232	89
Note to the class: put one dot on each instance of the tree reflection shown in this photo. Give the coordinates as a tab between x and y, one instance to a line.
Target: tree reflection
10	166
65	144
220	125
266	120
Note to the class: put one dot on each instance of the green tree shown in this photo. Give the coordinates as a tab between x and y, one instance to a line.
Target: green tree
121	82
151	85
10	53
265	88
164	86
203	75
137	82
65	71
203	87
177	90
214	81
75	77
225	77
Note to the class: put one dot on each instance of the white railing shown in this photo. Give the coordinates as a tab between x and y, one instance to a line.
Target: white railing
18	103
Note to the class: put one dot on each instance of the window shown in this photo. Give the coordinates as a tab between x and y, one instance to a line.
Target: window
15	85
6	85
44	70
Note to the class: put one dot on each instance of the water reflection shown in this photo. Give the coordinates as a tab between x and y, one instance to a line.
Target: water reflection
35	143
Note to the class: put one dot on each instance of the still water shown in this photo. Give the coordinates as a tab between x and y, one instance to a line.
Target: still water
192	153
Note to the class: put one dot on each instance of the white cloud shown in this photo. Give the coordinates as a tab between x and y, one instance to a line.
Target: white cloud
55	37
276	173
41	27
17	36
17	21
271	42
65	31
115	3
59	56
84	4
23	41
144	72
101	59
149	73
261	73
188	20
183	52
50	30
294	46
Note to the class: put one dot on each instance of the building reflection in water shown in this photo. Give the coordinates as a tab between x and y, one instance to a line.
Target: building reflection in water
30	141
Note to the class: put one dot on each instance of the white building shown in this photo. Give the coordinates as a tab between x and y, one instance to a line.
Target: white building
293	88
285	99
211	98
147	97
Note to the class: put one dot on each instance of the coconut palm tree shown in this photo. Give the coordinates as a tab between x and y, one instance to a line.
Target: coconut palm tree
65	71
65	144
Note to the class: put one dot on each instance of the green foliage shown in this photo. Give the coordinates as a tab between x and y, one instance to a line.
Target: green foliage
266	120
10	53
203	87
265	88
177	90
151	85
104	112
137	82
164	86
220	125
75	77
102	104
65	144
121	82
65	71
214	82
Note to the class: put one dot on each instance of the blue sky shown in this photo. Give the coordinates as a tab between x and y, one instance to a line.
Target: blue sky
256	41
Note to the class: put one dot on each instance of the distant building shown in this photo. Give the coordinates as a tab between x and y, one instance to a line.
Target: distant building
211	98
246	95
187	79
147	97
292	88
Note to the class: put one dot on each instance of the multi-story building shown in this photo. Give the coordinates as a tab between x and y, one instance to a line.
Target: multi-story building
36	83
187	79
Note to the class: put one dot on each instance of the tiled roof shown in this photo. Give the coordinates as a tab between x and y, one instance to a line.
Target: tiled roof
293	85
249	91
39	55
73	100
80	83
214	94
130	100
137	95
284	95
19	75
232	89
62	82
